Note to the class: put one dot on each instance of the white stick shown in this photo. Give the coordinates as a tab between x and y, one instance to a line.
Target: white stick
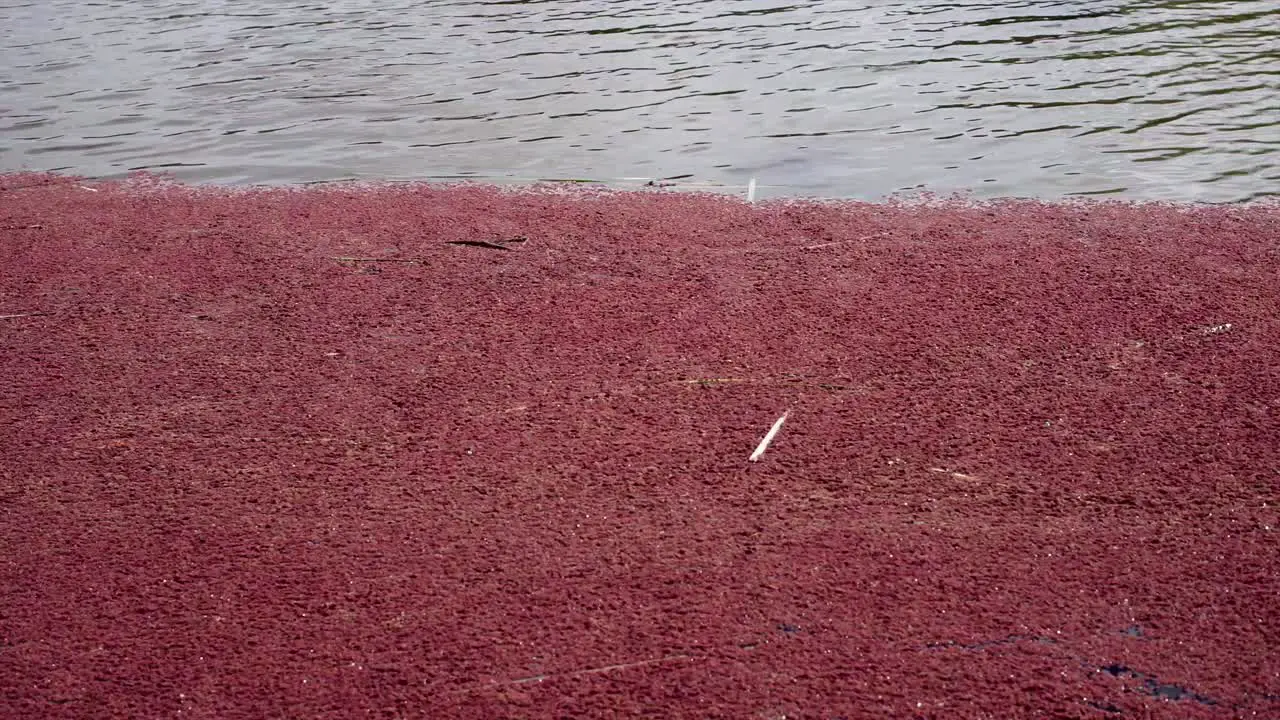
768	438
751	191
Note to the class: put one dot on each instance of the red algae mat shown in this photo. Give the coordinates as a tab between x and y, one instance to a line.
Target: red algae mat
413	451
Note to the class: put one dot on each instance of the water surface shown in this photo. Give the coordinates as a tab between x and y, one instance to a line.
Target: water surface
1147	99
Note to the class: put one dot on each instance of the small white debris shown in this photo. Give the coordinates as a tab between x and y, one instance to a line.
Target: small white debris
751	191
1215	329
768	438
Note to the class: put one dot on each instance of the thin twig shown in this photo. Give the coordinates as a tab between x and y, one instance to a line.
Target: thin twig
479	243
22	315
390	260
843	242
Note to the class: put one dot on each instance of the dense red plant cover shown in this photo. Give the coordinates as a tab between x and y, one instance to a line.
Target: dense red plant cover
1031	466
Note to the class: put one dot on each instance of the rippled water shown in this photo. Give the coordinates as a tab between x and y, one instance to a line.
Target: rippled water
1152	99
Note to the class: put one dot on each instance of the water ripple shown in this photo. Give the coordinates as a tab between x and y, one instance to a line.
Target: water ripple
1169	99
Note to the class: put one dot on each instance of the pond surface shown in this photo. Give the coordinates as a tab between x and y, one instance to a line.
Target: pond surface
863	98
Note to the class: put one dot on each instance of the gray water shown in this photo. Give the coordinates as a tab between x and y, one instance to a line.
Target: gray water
1146	99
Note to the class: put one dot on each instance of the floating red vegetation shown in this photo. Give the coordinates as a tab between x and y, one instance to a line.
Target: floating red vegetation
295	453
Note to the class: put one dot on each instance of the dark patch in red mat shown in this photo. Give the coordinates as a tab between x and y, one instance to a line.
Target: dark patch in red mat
1030	466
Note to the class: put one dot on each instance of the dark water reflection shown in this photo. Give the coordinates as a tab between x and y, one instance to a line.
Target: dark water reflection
1152	99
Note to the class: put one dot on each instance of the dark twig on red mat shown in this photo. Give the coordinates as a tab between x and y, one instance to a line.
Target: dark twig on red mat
490	244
